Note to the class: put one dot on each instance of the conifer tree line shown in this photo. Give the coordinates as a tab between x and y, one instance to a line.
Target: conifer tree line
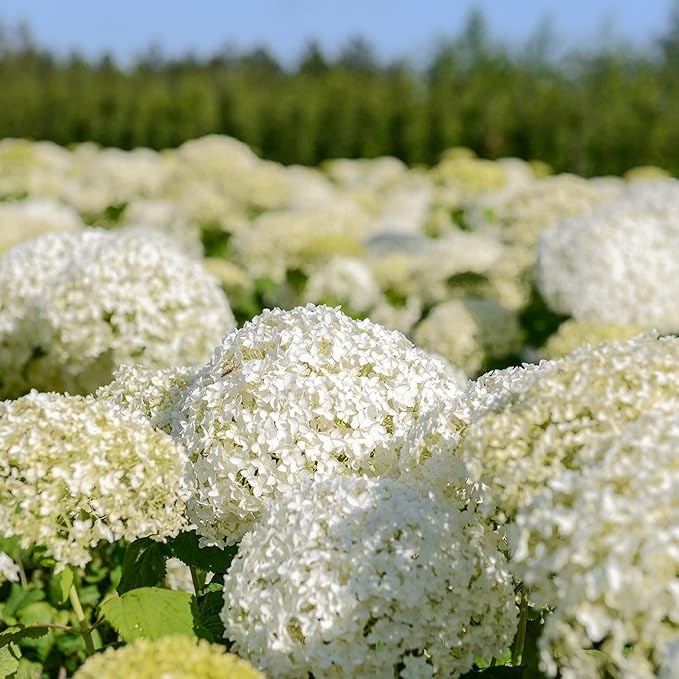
595	110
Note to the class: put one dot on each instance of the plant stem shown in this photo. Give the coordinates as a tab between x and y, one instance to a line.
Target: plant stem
22	573
520	641
80	615
198	581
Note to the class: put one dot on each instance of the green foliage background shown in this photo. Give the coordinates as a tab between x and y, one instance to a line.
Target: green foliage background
599	110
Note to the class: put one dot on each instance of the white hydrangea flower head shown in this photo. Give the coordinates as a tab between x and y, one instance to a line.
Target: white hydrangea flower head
170	657
150	392
601	545
32	217
33	168
470	332
167	218
347	281
371	174
459	167
571	334
431	456
518	441
75	306
356	577
617	264
76	471
524	211
457	264
277	242
299	394
401	315
178	576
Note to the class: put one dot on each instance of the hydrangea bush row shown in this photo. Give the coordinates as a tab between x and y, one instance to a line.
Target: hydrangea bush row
355	421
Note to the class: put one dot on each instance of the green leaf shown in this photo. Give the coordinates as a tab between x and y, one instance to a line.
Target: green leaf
9	660
28	669
19	598
209	624
185	548
12	635
143	564
59	586
150	613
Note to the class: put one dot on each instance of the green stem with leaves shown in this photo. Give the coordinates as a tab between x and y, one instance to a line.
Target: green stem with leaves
82	621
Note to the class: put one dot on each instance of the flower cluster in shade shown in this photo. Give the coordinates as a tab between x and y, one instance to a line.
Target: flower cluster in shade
571	334
32	217
355	577
619	263
470	333
534	421
170	657
347	281
149	392
600	545
305	393
73	306
75	471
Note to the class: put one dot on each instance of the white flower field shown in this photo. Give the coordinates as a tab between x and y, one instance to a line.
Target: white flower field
347	422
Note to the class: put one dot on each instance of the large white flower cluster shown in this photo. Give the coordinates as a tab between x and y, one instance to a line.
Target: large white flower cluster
601	545
75	471
470	332
617	264
524	211
75	306
356	577
571	334
347	281
25	219
294	395
170	657
149	392
277	242
519	440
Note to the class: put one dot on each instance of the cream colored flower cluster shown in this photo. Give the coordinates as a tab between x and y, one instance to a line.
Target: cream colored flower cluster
601	545
299	394
617	264
75	306
279	241
470	332
171	657
525	434
32	217
572	334
347	281
361	578
75	471
149	392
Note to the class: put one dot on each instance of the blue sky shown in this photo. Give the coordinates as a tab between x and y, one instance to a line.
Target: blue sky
396	27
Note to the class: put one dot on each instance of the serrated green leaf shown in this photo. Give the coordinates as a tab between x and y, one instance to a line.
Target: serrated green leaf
150	613
209	624
28	669
13	635
143	564
9	660
185	547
